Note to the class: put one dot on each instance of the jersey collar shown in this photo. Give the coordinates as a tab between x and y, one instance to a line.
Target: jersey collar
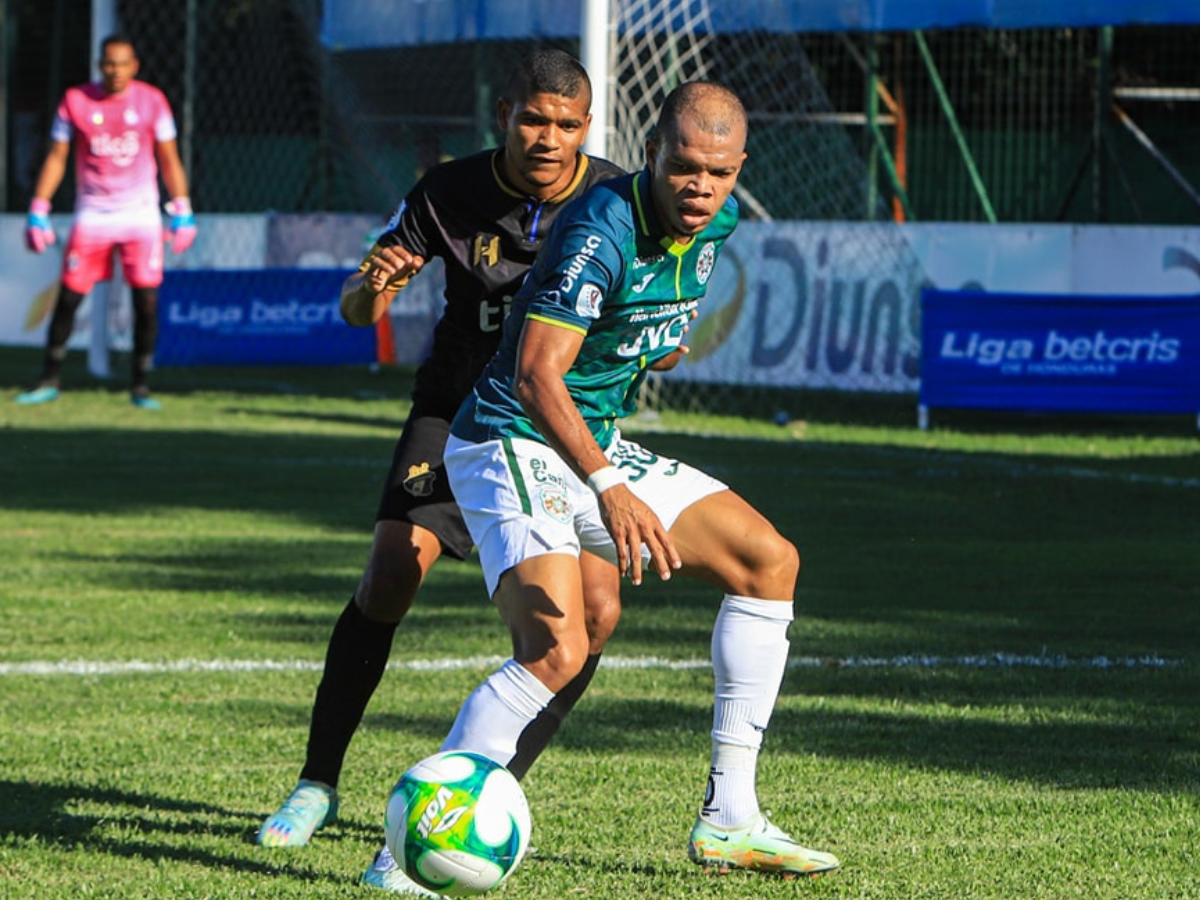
581	167
647	217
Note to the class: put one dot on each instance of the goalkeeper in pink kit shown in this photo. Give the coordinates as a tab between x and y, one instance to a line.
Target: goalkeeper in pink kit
124	135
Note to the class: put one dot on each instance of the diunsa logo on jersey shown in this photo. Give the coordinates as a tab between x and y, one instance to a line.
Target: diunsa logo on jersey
704	265
587	301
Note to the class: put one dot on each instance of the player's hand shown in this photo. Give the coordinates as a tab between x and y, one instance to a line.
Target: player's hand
38	232
633	524
181	233
391	268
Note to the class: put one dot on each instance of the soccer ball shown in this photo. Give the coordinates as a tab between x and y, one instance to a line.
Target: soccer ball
458	823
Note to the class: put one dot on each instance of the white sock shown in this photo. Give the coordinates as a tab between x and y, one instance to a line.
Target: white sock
749	653
493	717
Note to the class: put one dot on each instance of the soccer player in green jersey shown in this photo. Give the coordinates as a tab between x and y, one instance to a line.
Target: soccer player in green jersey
484	216
542	473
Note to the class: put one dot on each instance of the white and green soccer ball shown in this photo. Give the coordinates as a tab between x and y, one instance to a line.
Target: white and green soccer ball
458	823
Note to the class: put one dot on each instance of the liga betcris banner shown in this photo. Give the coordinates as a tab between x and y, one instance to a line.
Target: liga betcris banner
257	317
1062	353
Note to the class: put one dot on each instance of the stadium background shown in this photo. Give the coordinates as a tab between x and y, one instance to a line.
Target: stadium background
991	127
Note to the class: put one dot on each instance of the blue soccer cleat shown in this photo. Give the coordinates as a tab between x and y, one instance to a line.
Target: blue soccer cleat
43	393
310	806
141	398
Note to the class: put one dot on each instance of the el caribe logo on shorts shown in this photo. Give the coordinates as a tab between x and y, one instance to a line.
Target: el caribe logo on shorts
551	491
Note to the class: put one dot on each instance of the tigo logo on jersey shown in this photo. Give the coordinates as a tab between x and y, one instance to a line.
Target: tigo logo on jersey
704	265
587	301
121	149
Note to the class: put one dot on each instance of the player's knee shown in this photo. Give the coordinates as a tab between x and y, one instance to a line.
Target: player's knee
560	663
603	613
388	588
772	570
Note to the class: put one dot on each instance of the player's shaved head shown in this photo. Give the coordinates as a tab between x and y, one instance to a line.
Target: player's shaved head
707	105
548	72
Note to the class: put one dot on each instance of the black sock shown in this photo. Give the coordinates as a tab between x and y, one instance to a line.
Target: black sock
538	733
145	335
354	664
62	323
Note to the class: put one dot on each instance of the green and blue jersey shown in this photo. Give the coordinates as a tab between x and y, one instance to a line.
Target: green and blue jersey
609	271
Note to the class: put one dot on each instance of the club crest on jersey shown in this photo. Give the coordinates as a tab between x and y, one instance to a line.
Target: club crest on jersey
704	265
420	479
131	117
587	301
554	502
486	250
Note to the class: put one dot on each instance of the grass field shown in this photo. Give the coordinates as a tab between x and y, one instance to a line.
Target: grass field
994	691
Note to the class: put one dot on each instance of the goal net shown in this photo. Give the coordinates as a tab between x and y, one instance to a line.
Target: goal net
818	288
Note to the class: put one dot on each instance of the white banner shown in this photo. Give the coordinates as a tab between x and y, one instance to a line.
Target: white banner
791	304
29	281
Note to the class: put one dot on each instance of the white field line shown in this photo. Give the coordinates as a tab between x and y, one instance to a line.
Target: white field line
923	661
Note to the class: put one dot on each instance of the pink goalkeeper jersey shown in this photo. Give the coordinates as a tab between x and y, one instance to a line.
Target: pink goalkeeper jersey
114	136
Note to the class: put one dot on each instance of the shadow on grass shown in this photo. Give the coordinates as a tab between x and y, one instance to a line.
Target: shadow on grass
1122	753
127	824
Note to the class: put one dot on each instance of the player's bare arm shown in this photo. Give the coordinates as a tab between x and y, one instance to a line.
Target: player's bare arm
53	170
545	354
171	167
367	294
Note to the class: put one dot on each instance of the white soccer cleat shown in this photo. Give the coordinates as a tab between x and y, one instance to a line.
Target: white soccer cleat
388	875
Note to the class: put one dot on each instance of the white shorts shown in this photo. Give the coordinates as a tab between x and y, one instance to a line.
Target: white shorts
520	500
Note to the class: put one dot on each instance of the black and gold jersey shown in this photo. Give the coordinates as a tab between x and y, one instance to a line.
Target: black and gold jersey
487	233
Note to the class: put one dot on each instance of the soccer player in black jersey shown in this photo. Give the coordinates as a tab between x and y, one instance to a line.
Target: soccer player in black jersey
485	215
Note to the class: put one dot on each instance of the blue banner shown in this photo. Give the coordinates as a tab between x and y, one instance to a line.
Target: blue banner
1047	352
354	24
257	317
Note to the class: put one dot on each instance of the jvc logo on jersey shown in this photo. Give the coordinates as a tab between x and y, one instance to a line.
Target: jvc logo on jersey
122	149
586	252
658	336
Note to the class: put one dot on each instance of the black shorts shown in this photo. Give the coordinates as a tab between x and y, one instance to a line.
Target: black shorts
417	489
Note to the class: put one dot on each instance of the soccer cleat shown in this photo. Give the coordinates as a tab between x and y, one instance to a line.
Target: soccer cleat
386	874
759	846
142	400
310	806
43	393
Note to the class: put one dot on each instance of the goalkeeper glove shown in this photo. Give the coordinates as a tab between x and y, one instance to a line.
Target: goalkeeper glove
182	230
38	233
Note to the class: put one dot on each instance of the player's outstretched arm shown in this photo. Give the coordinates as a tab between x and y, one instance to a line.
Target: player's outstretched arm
545	354
367	294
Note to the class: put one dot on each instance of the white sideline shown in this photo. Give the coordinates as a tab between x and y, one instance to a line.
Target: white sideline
990	660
